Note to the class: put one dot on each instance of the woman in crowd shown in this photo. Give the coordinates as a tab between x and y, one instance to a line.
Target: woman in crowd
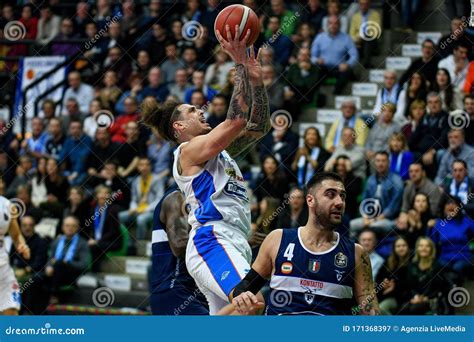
78	206
416	89
391	279
311	157
38	186
420	218
400	157
57	188
450	97
416	114
271	180
265	223
216	73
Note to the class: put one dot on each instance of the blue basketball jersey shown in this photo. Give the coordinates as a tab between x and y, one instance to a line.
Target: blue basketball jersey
167	271
305	282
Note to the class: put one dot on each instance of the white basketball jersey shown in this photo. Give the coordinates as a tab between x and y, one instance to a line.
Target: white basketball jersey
5	219
216	194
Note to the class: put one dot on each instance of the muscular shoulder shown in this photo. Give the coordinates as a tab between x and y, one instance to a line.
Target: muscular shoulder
271	244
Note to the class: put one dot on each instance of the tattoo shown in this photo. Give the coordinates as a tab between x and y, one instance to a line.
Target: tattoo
260	115
240	101
369	304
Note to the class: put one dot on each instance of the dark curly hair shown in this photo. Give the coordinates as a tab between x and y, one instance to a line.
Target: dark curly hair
161	117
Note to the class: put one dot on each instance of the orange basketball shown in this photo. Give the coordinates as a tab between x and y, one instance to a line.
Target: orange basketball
240	15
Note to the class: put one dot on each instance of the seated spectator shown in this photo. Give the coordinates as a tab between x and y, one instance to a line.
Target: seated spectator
229	85
295	212
57	188
457	65
457	36
335	53
368	240
69	258
48	110
302	39
427	64
135	85
117	129
198	99
130	151
267	57
198	84
281	143
279	42
109	93
399	155
90	121
286	17
180	84
59	46
48	25
103	226
217	111
154	40
425	279
390	93
431	136
450	95
117	62
155	86
271	181
82	92
74	154
457	149
34	145
349	148
349	119
171	64
147	189
415	116
380	134
419	218
159	154
38	186
415	89
264	224
24	175
78	206
383	198
274	88
301	82
310	158
392	276
109	177
461	186
73	112
452	235
23	193
190	61
361	23
334	8
102	150
142	65
55	142
469	109
216	73
25	270
314	14
352	184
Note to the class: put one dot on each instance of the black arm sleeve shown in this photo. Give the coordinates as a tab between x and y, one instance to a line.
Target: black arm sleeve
252	282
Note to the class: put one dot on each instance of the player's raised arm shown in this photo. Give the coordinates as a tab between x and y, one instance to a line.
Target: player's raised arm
364	285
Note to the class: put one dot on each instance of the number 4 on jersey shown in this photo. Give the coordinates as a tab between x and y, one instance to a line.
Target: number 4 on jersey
289	251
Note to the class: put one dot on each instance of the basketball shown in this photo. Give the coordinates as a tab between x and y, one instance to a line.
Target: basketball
240	15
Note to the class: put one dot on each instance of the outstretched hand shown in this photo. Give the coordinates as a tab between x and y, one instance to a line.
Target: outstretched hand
234	47
254	67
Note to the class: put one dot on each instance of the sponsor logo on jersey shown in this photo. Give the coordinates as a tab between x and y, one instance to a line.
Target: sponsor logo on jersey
311	284
339	274
340	260
309	298
286	267
314	265
224	275
232	173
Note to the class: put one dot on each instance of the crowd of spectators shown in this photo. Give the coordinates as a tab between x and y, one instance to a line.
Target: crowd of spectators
88	189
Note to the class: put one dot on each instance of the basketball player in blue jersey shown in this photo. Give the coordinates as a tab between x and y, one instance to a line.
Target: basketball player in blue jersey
218	255
173	290
312	269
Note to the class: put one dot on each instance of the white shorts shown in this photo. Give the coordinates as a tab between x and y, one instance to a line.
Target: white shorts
9	289
217	257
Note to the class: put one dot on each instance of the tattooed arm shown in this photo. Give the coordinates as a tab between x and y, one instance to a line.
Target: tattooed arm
364	285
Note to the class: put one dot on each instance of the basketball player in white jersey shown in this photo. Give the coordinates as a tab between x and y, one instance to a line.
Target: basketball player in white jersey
9	290
218	255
